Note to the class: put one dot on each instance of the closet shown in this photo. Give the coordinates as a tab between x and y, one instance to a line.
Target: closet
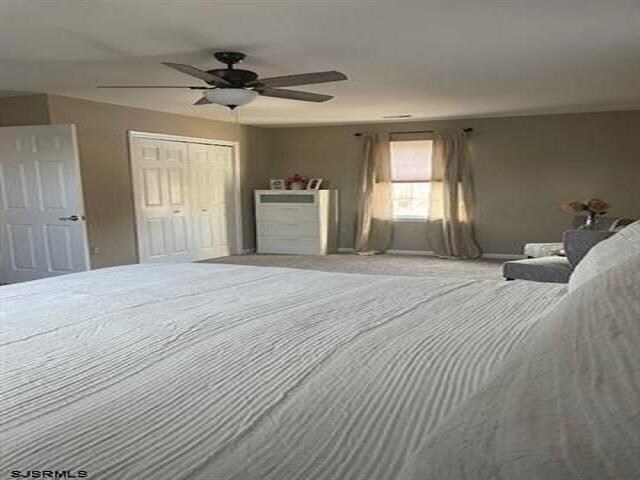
184	202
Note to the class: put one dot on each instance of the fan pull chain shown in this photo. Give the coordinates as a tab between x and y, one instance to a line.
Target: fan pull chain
236	119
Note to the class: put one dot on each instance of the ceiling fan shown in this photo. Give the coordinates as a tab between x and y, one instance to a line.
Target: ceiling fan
234	87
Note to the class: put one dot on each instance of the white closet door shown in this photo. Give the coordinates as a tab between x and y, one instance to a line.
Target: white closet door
42	225
211	174
161	177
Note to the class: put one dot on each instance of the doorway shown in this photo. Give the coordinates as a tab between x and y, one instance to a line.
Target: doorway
42	219
187	197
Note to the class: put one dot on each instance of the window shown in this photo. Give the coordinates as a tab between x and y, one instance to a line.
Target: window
411	179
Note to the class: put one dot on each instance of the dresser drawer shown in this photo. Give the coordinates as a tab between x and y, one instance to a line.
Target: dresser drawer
287	213
291	245
290	197
288	229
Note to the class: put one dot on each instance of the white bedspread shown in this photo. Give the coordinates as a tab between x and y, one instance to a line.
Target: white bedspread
215	372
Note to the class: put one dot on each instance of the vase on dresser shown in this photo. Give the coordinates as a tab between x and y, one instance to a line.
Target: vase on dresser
293	221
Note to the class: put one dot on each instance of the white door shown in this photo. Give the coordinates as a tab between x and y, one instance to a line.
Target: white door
160	175
42	223
212	176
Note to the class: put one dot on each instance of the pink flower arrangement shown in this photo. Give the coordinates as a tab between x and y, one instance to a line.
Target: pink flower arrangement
297	178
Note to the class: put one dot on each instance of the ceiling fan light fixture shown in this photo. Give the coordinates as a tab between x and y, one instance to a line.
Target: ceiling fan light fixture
232	87
230	97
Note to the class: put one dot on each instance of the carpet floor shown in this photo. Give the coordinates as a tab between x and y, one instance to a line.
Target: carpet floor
408	265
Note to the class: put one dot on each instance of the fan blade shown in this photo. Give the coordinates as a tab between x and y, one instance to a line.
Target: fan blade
203	101
294	95
302	79
152	86
196	72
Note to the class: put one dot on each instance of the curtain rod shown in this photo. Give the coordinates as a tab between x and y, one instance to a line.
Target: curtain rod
415	131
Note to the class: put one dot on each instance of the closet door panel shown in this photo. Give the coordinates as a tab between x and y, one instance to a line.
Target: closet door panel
156	238
182	193
211	170
180	235
161	177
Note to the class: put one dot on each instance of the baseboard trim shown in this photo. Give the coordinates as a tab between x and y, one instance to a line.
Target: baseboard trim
492	256
390	252
409	252
503	256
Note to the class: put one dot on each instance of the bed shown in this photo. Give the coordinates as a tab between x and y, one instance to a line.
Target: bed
219	372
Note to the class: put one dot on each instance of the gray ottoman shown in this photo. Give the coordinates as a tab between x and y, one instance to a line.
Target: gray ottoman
544	269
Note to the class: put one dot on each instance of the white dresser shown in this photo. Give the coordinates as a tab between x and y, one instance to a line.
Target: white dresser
292	221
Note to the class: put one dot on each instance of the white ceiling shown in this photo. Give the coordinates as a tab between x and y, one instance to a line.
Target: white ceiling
430	59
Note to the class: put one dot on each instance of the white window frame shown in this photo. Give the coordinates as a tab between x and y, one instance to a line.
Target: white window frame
408	218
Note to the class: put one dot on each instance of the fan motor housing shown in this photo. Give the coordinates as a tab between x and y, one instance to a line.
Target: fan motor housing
236	77
229	57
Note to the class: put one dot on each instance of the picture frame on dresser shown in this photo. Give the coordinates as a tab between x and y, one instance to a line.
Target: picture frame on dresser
277	184
314	184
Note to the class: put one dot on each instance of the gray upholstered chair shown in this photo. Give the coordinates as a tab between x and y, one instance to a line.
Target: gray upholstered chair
556	269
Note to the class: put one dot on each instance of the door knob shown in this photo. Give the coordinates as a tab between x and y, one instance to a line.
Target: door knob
72	218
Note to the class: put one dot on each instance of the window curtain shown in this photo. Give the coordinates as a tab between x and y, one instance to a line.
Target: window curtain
374	221
450	219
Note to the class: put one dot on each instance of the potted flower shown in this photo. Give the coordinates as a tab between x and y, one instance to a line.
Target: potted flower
297	182
593	207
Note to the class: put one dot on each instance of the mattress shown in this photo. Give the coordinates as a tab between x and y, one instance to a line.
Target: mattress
204	371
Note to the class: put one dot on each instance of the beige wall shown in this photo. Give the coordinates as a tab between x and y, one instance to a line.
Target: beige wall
24	110
524	167
103	143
